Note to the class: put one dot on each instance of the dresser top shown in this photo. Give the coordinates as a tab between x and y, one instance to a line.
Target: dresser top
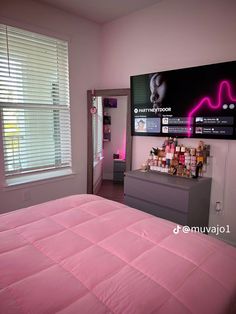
166	179
119	160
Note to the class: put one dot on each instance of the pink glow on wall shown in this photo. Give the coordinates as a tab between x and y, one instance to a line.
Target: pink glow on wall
123	152
224	85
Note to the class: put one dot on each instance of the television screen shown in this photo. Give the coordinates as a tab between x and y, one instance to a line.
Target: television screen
192	102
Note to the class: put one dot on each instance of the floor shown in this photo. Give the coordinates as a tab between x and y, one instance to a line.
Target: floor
112	191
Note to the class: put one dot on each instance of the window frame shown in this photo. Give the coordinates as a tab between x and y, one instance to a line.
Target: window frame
51	174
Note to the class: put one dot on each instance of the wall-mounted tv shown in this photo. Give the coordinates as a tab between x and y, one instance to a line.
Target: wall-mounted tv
197	102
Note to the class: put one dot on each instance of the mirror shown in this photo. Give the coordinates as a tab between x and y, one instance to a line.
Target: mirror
109	143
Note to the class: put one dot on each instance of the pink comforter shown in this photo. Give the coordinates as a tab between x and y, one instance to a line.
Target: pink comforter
84	254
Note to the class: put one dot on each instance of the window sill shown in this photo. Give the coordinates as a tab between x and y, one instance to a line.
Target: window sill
36	179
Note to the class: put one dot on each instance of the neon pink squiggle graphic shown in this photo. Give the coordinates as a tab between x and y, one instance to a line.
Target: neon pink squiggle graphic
206	100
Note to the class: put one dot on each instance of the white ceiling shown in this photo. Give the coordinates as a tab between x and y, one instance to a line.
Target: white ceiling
100	11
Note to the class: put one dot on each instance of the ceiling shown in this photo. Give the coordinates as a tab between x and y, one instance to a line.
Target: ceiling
100	11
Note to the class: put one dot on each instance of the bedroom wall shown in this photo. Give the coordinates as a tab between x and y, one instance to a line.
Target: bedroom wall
84	59
177	34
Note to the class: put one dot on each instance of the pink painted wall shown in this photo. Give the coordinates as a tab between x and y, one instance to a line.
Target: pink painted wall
176	34
84	60
118	134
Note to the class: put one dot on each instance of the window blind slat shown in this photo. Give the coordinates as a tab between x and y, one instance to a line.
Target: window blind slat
37	77
33	159
33	169
25	73
24	35
32	86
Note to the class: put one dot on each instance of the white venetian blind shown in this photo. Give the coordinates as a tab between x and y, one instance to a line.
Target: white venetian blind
34	101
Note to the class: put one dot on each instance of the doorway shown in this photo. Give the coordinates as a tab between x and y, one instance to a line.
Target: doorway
123	155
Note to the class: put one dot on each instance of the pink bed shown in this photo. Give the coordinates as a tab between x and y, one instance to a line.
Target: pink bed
84	254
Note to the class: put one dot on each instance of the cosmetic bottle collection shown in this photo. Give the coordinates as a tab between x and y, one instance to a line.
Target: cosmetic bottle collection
180	160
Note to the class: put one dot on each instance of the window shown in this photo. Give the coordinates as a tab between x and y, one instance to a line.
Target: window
34	102
98	129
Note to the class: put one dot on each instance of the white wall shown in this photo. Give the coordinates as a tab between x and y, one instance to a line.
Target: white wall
118	136
84	60
176	34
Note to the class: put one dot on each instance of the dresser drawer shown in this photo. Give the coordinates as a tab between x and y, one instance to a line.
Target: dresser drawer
157	210
119	166
156	193
118	176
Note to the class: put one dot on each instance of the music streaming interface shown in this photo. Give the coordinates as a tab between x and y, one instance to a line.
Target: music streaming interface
178	130
200	126
175	121
147	125
222	126
215	120
216	130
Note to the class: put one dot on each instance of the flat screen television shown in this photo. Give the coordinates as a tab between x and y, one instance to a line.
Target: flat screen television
197	102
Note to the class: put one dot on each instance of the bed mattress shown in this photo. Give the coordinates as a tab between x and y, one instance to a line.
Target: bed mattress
85	254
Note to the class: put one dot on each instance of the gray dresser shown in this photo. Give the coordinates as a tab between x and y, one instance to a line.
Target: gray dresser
118	170
181	200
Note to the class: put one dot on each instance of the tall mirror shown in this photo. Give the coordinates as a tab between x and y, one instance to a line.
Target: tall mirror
109	142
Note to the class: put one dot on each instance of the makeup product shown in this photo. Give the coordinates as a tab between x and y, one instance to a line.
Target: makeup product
167	149
200	159
177	149
172	148
192	151
163	162
155	161
193	171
